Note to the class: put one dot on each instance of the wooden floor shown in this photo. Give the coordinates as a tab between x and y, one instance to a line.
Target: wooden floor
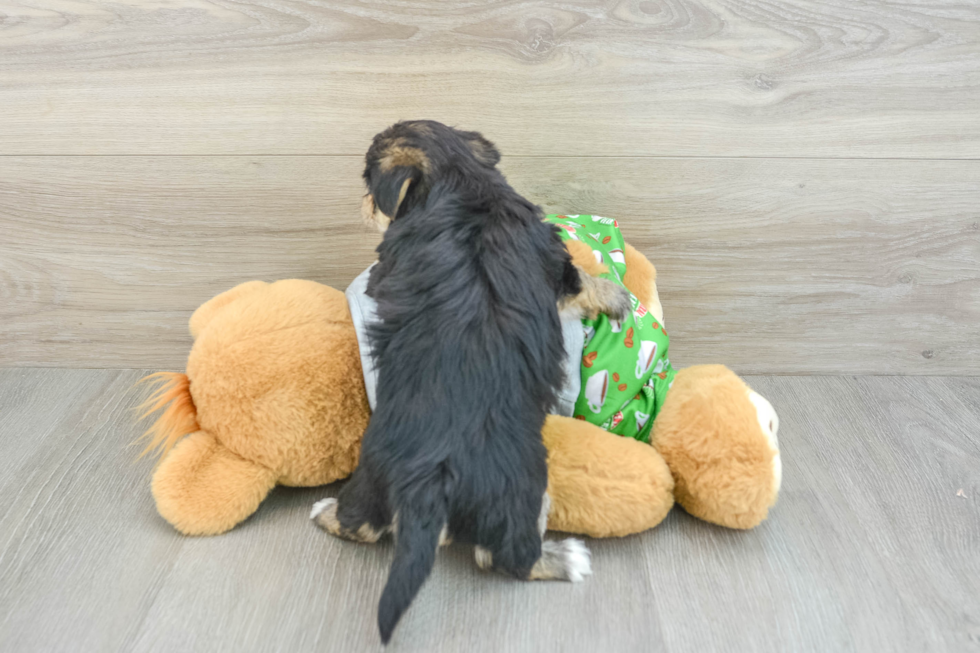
872	547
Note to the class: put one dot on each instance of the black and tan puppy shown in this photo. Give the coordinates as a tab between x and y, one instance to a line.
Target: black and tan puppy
469	357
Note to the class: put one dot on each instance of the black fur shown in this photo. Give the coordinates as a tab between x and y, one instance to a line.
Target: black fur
469	355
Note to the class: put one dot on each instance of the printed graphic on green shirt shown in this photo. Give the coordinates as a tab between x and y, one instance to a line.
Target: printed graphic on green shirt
625	369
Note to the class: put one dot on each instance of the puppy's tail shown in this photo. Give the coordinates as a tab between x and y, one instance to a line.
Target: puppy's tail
421	515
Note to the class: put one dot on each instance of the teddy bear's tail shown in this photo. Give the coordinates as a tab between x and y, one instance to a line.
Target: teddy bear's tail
179	417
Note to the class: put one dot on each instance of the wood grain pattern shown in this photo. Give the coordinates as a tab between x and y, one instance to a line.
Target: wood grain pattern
619	77
97	258
775	266
869	547
82	552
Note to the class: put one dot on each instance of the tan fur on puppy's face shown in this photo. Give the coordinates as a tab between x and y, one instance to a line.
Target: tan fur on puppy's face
395	153
372	215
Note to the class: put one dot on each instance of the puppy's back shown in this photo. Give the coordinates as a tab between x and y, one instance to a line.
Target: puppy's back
467	301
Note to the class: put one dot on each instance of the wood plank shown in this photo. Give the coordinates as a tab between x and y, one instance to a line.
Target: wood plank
292	585
111	255
869	547
699	78
798	266
871	470
776	266
82	551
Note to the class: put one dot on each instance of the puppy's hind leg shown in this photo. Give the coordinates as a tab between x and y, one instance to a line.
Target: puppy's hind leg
567	559
360	513
558	560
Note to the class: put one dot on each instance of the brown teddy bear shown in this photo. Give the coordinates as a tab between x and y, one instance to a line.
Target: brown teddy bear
274	395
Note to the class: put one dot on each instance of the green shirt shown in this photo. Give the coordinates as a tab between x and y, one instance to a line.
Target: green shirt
625	369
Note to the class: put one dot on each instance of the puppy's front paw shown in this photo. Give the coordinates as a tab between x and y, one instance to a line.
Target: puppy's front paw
598	295
614	299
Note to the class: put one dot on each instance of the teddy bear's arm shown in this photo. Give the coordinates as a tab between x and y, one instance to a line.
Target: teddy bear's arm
582	257
641	279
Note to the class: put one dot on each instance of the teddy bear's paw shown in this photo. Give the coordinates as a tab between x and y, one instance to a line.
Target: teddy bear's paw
563	560
769	423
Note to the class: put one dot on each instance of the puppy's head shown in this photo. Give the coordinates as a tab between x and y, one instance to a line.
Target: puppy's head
405	160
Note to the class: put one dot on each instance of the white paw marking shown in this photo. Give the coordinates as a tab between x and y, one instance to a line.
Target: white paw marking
543	515
769	423
321	505
578	560
484	559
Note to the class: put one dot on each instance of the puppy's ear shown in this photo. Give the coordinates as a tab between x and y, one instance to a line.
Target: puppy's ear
484	151
392	187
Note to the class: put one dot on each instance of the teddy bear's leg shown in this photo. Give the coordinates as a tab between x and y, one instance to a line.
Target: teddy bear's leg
719	439
206	311
202	488
602	484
